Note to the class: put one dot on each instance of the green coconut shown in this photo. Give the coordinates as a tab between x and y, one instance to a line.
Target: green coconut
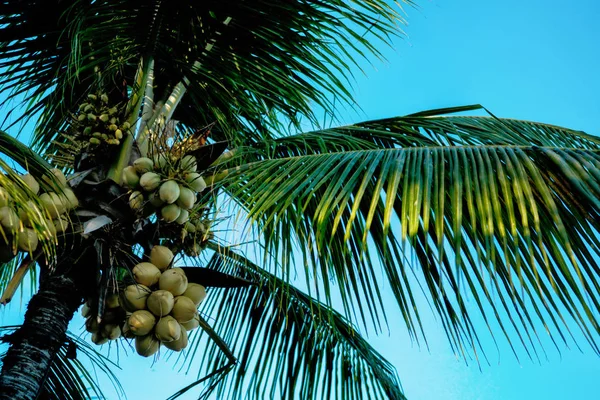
31	183
179	344
4	197
91	325
195	181
195	292
61	224
186	199
9	218
130	177
149	181
49	230
112	300
27	240
143	165
170	213
167	329
191	324
111	331
136	200
146	273
71	199
48	204
184	309
191	228
160	161
135	297
58	176
99	339
184	216
146	346
161	257
155	200
141	322
173	280
160	302
188	163
86	310
24	212
169	192
126	330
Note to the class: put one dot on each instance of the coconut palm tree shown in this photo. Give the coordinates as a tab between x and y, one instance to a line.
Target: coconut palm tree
138	104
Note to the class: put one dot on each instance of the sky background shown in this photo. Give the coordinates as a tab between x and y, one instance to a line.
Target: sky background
535	60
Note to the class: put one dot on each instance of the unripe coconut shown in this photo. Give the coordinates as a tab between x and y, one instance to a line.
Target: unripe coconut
146	345
72	201
9	218
99	339
49	206
160	302
134	297
61	224
188	163
146	273
141	322
167	329
160	161
111	331
27	240
155	200
126	330
112	300
150	181
184	216
91	325
60	202
104	97
143	165
191	228
169	192
186	198
130	177
195	292
173	280
4	197
58	176
184	309
161	257
191	324
179	344
170	213
195	181
136	200
86	310
49	230
31	183
24	212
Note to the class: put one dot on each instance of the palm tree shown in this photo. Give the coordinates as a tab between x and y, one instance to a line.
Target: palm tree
502	211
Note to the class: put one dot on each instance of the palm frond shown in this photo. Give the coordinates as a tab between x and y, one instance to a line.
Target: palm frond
289	345
503	212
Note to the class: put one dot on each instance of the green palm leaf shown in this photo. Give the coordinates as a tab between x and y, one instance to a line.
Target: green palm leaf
502	211
289	345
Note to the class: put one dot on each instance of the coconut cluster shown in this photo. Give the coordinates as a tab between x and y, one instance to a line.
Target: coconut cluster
17	222
167	186
109	327
163	304
98	123
196	234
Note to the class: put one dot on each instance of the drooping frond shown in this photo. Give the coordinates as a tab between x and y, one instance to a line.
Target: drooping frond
288	345
244	63
502	212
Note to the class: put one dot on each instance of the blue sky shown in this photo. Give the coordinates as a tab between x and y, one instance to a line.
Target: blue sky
535	60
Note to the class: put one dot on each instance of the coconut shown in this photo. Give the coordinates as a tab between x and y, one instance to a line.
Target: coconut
161	257
146	345
184	309
58	176
136	200
190	227
192	323
112	300
150	181
167	329
188	163
155	200
160	161
126	330
9	218
49	205
134	297
186	198
160	302
61	224
169	192
143	165
49	228
86	310
130	177
4	197
173	280
141	322
179	344
71	199
31	183
99	339
146	273
170	213
25	212
111	331
184	216
27	240
195	292
195	181
91	325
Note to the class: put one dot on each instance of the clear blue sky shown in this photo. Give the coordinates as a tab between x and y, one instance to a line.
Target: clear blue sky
533	59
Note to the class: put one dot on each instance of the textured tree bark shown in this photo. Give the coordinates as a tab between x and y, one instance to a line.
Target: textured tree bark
34	345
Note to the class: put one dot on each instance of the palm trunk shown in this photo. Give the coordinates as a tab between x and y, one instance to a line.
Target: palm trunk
34	345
